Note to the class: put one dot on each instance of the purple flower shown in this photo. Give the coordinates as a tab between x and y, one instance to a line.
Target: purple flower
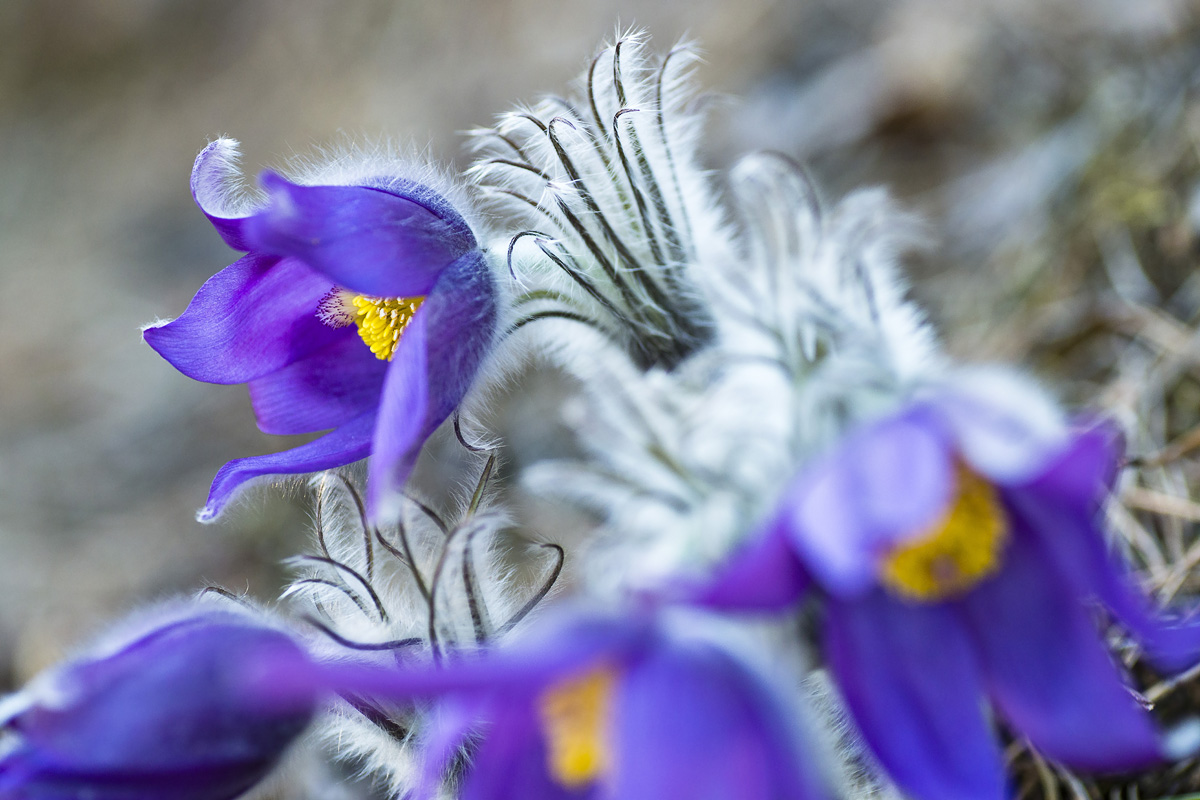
167	713
364	310
956	553
595	707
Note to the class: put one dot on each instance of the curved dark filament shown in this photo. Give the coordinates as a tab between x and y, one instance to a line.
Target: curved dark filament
429	512
638	198
617	83
405	558
377	717
354	598
555	314
486	476
587	128
690	318
585	283
458	434
320	512
228	595
632	301
391	548
516	148
436	582
661	210
662	133
383	615
531	118
524	199
549	295
512	243
574	221
524	167
395	644
360	507
639	153
591	93
474	603
533	602
324	612
585	194
644	279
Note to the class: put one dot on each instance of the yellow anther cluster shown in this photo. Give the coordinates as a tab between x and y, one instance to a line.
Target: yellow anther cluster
959	551
576	715
381	321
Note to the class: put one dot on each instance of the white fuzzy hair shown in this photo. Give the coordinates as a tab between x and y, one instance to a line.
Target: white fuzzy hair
614	213
221	189
53	688
807	330
810	332
714	360
357	589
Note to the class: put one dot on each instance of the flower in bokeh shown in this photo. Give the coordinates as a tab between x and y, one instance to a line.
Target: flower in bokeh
363	308
955	550
595	706
165	713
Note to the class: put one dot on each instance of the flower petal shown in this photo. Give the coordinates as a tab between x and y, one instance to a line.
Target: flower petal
328	388
216	188
368	240
1004	423
1047	670
405	420
1067	533
166	715
912	684
691	722
250	319
432	369
883	484
764	576
562	642
511	760
349	443
1084	472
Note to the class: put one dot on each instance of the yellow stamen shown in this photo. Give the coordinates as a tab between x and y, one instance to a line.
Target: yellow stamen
576	715
380	320
957	552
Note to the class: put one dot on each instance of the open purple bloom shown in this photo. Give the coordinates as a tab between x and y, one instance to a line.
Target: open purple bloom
165	714
595	707
957	556
363	310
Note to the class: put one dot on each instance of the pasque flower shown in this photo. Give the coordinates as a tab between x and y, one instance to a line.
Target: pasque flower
593	706
363	307
167	712
956	553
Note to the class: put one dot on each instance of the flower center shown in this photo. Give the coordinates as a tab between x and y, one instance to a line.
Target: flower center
380	320
957	552
576	715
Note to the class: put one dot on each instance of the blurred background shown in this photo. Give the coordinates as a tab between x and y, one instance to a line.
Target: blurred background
1050	145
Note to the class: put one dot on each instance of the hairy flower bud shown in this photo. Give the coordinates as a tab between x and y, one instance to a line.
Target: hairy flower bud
166	713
